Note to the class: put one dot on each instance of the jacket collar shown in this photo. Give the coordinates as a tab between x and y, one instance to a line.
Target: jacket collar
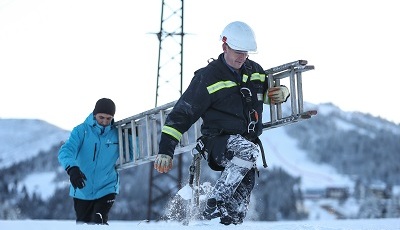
91	121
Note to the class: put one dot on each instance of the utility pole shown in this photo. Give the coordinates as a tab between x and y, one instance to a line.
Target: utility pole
169	88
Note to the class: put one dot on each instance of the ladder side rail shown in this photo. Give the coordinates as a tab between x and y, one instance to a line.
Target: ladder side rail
163	117
306	68
278	106
148	136
126	150
134	164
282	75
293	96
154	133
272	109
141	139
286	73
148	112
286	66
120	145
300	92
299	76
135	146
282	122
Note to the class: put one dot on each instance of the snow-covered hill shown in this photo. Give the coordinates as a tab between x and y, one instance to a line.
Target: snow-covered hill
21	139
282	151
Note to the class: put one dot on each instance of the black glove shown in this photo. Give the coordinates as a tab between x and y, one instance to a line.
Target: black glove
76	177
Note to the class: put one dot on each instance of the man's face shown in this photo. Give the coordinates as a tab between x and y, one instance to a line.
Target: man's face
103	119
234	58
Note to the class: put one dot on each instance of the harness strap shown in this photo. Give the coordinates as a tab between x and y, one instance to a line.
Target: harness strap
259	143
251	112
200	147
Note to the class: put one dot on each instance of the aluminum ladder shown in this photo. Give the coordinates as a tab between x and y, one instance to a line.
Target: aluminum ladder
143	130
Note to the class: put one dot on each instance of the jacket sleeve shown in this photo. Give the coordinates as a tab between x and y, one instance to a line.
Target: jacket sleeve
188	109
69	150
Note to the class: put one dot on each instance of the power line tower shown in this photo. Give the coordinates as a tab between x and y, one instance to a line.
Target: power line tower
169	88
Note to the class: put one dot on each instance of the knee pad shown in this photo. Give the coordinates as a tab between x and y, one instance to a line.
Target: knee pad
242	163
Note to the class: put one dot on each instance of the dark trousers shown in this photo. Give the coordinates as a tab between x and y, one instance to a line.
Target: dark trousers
93	211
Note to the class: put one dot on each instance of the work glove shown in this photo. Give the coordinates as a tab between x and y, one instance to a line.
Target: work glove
278	94
163	163
76	177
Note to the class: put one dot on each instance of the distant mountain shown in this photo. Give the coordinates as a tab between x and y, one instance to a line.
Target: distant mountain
358	145
333	148
21	139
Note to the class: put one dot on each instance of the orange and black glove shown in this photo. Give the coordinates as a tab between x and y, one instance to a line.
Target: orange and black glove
278	94
163	163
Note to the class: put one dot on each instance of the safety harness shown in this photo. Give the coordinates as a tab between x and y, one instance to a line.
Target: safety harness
252	121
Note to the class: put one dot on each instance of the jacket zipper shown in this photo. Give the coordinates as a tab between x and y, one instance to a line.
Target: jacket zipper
94	152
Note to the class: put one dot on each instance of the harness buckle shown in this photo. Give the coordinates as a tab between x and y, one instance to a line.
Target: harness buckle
246	93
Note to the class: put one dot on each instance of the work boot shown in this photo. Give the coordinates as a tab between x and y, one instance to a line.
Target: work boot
237	220
225	219
211	211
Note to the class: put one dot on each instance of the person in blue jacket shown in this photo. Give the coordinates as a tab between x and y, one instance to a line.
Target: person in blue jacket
89	157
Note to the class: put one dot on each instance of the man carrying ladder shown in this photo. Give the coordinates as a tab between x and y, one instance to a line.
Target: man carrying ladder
228	94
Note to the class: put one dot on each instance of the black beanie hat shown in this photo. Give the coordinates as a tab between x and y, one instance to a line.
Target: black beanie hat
104	105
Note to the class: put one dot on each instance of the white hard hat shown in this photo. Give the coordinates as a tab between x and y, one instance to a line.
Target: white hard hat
239	36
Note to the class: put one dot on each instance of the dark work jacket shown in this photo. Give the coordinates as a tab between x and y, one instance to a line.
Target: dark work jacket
214	95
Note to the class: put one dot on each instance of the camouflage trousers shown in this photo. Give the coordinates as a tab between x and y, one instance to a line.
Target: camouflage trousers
237	180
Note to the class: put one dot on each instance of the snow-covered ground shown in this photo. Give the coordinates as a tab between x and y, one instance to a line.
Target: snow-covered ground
368	224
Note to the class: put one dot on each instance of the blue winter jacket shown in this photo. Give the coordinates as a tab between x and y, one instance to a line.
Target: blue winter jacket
94	149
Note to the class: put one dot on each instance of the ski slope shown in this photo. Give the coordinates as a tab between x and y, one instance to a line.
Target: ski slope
282	151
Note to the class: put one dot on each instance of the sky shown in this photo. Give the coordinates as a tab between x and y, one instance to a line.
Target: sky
57	58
